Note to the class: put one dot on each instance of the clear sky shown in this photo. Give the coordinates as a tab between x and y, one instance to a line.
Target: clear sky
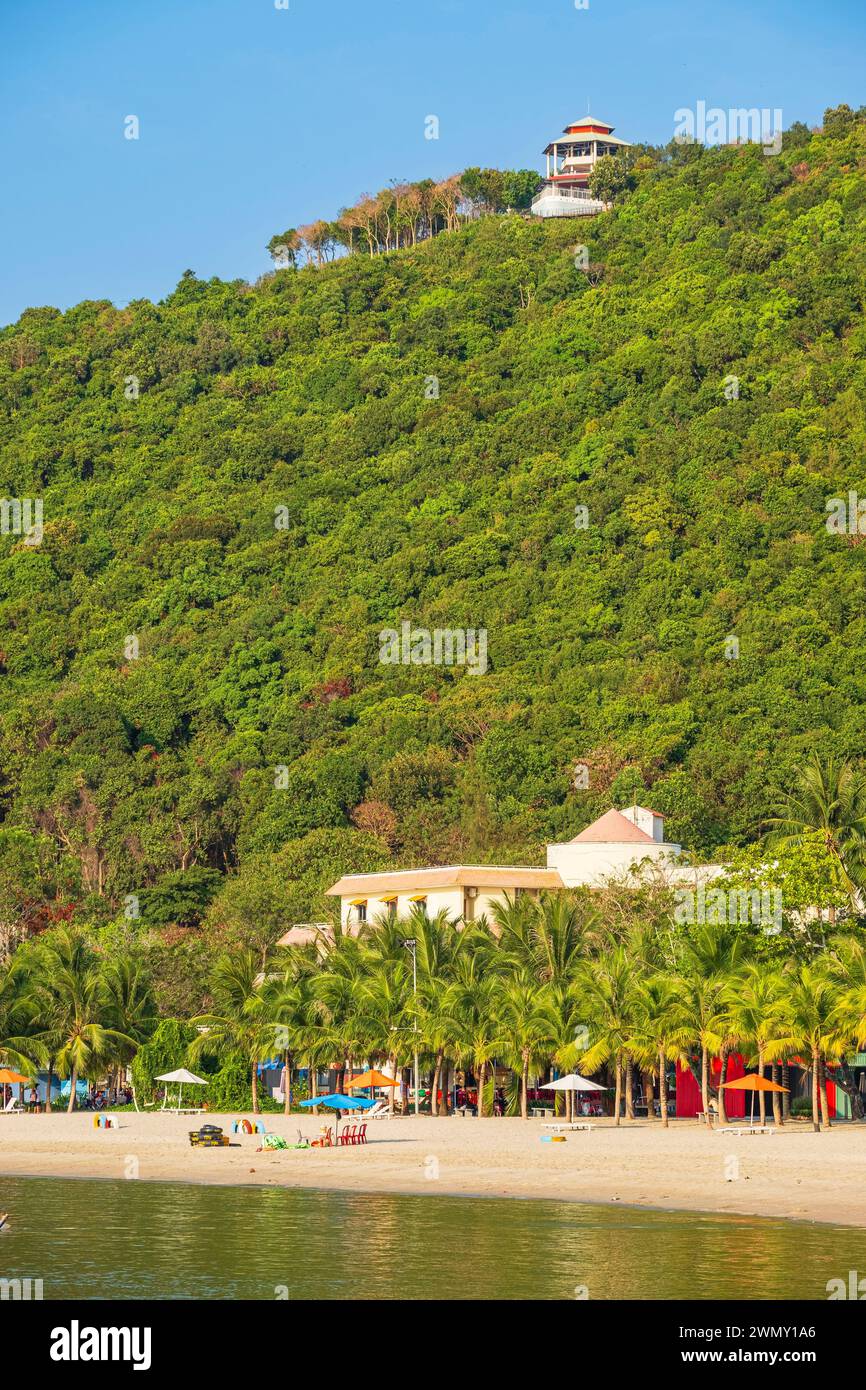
254	118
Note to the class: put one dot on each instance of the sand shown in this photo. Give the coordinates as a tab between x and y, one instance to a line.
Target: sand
796	1173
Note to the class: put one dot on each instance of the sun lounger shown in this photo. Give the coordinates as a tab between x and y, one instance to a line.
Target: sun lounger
561	1128
747	1129
380	1111
13	1107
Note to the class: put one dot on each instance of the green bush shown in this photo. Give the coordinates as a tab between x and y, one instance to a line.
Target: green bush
165	1051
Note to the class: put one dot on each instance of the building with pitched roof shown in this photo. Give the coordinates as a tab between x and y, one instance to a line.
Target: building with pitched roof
571	158
618	842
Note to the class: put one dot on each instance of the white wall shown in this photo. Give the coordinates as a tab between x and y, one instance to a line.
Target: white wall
592	863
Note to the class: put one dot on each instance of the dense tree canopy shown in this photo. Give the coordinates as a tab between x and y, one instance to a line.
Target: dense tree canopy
617	464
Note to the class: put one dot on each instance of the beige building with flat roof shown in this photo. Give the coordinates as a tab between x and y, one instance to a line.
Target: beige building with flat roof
619	841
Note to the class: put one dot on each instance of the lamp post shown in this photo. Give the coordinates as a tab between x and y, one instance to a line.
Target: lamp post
412	945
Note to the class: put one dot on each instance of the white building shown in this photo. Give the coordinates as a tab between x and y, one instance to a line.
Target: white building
612	844
616	843
570	160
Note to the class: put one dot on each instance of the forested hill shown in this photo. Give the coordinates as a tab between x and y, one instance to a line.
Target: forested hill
243	486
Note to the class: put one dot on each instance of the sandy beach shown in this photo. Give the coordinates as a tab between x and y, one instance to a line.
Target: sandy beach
796	1174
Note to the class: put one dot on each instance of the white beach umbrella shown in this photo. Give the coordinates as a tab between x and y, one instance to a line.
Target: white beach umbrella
183	1078
572	1082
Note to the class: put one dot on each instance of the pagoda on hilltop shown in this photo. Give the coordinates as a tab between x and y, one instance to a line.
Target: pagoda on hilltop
570	160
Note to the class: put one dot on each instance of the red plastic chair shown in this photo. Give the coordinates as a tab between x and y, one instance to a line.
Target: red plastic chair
348	1135
361	1137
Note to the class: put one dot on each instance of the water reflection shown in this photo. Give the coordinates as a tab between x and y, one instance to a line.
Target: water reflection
159	1240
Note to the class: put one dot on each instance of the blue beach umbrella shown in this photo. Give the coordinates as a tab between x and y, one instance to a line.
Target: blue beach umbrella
338	1102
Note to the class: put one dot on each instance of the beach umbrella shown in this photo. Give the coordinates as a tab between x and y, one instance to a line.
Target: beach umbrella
752	1083
572	1082
338	1102
371	1078
183	1078
12	1078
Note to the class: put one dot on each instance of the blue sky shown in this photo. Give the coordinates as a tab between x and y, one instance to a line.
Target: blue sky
253	119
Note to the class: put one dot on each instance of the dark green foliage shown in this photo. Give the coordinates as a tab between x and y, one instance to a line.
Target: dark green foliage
164	1052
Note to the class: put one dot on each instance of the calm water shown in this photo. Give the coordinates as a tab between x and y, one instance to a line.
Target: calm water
162	1240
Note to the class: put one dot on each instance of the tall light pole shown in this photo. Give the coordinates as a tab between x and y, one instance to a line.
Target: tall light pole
412	945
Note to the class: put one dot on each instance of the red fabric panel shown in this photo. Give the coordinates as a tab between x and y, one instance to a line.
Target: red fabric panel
689	1102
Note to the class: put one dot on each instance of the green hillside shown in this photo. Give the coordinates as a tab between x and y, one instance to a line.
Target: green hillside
290	481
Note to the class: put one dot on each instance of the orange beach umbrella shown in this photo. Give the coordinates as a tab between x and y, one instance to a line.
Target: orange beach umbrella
371	1078
752	1083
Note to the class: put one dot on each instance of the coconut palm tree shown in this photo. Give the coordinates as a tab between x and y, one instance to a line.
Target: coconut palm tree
79	1009
527	1028
241	1019
130	1007
609	987
471	1003
830	801
662	1029
757	1016
813	1016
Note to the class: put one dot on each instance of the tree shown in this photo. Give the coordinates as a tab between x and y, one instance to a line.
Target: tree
284	248
78	1011
829	802
609	177
240	1021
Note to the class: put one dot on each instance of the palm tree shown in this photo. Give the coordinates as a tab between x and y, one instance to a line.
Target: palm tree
19	1048
846	968
830	801
130	1007
241	1019
79	1009
662	1031
527	1028
609	987
756	1004
471	1001
813	1007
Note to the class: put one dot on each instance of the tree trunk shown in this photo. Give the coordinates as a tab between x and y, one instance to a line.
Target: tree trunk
287	1106
705	1084
649	1095
524	1089
446	1088
617	1099
482	1082
392	1092
663	1088
777	1098
48	1087
255	1088
816	1115
786	1094
629	1090
437	1073
762	1095
723	1076
73	1083
825	1108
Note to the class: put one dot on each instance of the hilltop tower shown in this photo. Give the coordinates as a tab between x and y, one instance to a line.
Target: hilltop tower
570	160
